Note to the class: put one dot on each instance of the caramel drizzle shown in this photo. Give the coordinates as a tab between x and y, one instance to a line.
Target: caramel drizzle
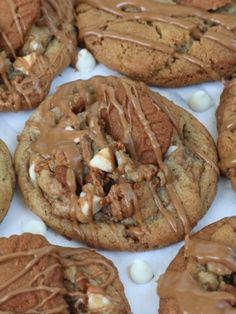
191	297
133	96
66	258
105	276
153	11
37	255
200	154
53	137
45	71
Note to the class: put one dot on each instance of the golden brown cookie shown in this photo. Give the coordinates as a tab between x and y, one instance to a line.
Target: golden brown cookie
205	4
7	180
110	163
226	121
201	278
37	41
159	43
92	283
16	19
31	278
37	277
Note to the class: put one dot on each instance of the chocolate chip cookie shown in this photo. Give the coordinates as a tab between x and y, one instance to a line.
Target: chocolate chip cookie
201	278
158	42
113	164
37	277
37	41
7	179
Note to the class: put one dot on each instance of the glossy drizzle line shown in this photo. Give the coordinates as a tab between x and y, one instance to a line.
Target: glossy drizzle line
165	13
53	136
188	292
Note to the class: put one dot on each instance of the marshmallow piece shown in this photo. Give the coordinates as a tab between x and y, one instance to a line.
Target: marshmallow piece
200	101
96	301
25	63
140	272
85	62
103	160
85	205
77	139
170	150
32	174
34	226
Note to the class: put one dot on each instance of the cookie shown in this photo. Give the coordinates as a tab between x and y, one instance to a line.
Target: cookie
112	164
226	121
37	277
159	43
31	277
201	278
205	4
7	180
16	20
37	41
92	283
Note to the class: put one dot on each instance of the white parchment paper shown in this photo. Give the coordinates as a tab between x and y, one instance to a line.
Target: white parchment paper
143	298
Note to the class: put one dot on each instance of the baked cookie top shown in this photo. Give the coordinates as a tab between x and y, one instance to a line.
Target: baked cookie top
31	278
206	4
226	120
37	277
201	278
7	179
37	41
92	283
110	163
164	44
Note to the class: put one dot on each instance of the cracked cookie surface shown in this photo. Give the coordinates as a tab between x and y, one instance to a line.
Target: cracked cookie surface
110	163
160	43
37	41
7	180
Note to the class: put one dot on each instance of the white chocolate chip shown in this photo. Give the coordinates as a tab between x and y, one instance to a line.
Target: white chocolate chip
34	45
85	205
121	157
171	149
103	160
96	301
69	128
200	101
140	272
34	226
85	62
32	174
25	63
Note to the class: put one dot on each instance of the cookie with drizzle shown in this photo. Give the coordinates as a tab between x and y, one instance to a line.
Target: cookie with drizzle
160	43
37	41
37	277
113	164
201	278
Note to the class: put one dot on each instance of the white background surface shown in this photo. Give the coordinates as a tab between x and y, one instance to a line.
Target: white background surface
142	298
